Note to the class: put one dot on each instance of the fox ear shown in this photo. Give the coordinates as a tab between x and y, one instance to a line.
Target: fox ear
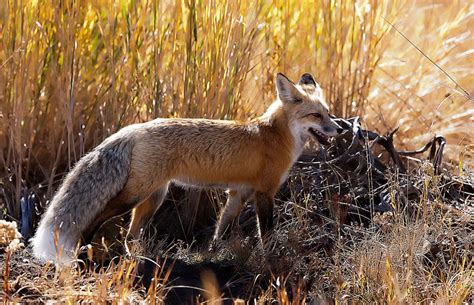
286	89
307	79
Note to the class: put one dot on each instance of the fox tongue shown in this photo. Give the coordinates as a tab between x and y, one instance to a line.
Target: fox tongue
322	138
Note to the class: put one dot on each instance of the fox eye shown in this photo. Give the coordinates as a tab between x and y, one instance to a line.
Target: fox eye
317	115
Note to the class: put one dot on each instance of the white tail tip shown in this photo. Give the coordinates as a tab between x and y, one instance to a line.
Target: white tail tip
48	245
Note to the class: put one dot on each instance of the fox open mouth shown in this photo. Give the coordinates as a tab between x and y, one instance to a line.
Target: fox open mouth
321	137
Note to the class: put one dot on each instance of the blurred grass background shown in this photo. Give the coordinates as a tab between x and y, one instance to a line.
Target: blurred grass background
74	72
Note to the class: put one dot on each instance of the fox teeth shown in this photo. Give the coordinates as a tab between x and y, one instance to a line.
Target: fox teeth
321	134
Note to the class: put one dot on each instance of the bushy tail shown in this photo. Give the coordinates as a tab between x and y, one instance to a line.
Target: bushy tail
96	178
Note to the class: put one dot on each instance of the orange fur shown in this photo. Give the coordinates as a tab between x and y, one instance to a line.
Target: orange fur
251	159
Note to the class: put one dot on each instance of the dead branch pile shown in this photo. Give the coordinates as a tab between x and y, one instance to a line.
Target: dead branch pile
362	173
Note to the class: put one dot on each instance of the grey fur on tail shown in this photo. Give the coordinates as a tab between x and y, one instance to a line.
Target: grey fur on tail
95	179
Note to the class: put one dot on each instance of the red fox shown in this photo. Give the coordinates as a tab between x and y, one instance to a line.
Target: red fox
131	169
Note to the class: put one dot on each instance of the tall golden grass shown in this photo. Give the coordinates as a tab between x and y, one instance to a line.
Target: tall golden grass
73	72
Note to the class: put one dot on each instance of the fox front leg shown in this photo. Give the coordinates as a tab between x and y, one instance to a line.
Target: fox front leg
235	202
264	203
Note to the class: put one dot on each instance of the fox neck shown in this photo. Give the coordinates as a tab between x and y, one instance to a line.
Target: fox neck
287	127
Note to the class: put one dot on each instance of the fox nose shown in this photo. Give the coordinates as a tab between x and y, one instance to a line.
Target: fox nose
339	130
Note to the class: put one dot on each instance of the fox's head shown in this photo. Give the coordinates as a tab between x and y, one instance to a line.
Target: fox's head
304	103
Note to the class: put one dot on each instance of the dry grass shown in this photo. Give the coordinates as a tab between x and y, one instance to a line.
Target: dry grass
419	256
72	73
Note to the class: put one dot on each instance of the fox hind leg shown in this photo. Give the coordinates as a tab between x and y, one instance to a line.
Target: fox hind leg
129	198
119	205
143	213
